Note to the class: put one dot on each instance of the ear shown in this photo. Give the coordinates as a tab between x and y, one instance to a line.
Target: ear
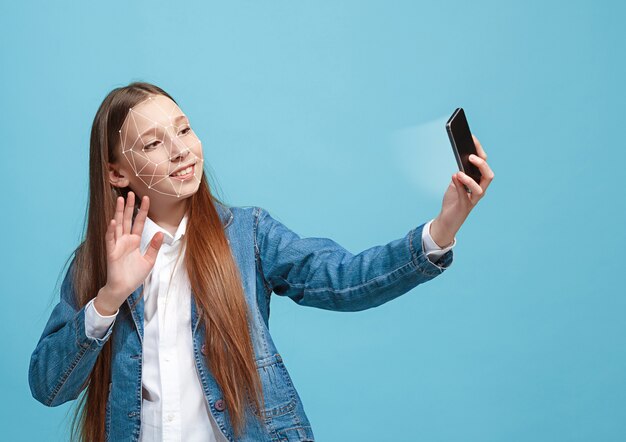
118	176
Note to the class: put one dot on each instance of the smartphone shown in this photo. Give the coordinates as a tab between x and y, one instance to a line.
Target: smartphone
462	144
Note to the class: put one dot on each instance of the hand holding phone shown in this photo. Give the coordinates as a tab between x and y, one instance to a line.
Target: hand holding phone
474	180
462	144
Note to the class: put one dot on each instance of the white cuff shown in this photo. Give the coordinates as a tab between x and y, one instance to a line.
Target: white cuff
431	249
97	325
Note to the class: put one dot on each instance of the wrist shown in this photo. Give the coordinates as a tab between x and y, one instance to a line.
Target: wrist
442	237
103	305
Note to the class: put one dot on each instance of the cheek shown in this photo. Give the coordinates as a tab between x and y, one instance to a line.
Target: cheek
155	158
193	143
145	164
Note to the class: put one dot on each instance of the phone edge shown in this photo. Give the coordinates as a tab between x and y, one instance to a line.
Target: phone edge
455	150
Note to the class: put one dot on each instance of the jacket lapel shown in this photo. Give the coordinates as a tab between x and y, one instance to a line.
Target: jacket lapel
137	311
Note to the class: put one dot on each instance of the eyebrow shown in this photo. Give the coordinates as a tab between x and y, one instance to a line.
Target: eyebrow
177	118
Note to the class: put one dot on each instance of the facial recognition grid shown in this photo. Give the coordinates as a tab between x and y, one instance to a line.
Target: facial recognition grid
149	150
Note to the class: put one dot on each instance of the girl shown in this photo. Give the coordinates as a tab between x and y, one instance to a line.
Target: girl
163	316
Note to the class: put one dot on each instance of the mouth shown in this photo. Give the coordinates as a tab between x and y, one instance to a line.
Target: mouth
184	173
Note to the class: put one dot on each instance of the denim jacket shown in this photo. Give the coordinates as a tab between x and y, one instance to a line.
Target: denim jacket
316	272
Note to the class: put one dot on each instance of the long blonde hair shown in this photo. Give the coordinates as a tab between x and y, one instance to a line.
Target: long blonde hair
213	274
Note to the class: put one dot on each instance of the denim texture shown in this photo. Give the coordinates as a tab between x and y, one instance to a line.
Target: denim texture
315	272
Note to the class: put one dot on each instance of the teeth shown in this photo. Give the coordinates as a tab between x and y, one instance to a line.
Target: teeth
184	171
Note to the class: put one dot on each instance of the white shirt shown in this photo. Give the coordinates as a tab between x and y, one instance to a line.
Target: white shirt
174	407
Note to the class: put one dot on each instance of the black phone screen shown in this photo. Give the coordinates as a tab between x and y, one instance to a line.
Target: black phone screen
462	143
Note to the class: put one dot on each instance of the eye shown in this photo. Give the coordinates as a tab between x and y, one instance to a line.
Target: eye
151	145
185	131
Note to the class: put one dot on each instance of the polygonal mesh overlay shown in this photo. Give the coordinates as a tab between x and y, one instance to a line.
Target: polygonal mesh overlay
157	141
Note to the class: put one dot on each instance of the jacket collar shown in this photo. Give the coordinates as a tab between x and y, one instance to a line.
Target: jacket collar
224	212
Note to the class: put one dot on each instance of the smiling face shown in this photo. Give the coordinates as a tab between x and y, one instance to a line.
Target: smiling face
161	156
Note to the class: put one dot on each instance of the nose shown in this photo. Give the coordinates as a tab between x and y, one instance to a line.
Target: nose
179	149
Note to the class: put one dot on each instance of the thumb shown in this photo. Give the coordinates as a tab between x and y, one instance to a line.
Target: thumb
153	248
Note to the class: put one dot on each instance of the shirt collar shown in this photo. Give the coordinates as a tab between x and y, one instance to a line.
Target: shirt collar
150	227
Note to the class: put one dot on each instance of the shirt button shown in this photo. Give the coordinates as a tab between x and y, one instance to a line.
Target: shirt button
170	417
203	349
220	405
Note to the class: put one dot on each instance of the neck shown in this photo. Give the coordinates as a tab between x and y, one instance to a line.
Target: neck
168	216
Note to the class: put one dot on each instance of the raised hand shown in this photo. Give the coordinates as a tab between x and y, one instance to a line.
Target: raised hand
127	268
458	202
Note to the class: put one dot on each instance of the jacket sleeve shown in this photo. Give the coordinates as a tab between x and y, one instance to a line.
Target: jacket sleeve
64	356
318	272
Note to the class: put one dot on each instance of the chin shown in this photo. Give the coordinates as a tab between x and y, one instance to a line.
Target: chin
190	193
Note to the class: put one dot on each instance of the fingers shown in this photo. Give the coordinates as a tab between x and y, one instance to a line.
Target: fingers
477	191
479	148
124	216
110	237
460	189
119	208
485	171
128	212
153	248
140	219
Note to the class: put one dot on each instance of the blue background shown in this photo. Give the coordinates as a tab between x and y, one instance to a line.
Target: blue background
330	115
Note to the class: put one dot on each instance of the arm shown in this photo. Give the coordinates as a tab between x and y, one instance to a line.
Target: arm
64	356
97	325
318	272
432	250
72	340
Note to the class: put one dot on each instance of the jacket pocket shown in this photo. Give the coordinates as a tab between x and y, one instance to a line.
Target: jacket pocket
278	391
